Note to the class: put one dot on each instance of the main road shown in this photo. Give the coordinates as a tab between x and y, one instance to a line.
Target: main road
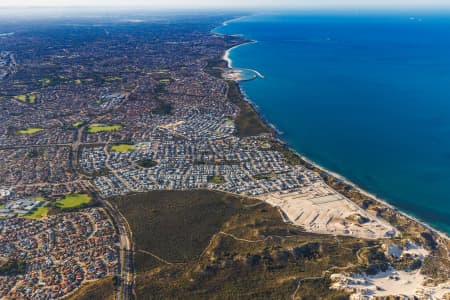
126	290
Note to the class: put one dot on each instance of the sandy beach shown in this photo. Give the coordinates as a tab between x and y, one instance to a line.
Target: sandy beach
226	56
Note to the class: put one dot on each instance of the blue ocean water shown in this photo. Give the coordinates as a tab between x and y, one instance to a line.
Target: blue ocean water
364	95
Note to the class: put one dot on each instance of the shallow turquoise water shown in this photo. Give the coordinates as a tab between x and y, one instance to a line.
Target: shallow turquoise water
366	96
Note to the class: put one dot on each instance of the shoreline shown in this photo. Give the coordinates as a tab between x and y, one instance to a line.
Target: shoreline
226	57
277	134
366	193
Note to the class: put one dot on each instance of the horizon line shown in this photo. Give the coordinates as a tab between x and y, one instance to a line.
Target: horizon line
229	7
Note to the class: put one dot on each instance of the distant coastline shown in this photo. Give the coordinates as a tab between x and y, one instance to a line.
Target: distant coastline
278	133
226	55
229	61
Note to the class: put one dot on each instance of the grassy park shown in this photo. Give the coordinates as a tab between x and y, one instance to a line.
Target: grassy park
30	131
73	201
96	128
123	148
26	98
45	81
112	78
39	213
217	179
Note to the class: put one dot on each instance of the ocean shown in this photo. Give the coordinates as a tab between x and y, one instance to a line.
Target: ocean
363	95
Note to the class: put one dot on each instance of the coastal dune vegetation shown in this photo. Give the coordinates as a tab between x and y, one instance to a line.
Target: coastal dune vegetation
103	288
204	244
436	265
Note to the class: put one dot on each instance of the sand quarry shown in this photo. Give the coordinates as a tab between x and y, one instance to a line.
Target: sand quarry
318	208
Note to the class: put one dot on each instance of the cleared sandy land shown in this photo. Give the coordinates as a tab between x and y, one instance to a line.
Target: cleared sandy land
391	282
318	208
409	285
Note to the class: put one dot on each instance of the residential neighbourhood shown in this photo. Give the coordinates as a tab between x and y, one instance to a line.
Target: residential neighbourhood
61	252
94	109
125	114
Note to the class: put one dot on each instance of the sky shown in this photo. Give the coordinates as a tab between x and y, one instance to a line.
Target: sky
227	3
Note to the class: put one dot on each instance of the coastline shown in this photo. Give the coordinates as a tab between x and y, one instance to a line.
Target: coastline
225	23
277	133
368	194
226	55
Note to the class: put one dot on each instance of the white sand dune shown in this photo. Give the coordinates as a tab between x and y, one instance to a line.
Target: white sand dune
320	209
391	282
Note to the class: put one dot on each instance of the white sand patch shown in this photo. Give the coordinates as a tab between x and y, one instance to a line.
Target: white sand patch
411	249
415	250
389	283
394	250
320	209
